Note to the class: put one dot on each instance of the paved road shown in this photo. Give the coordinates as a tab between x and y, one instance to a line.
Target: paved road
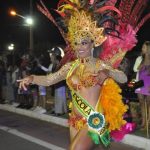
9	141
34	132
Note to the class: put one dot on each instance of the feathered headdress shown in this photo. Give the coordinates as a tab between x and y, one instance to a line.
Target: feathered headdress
119	21
81	26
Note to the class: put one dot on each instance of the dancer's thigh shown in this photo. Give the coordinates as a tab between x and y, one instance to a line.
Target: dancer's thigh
73	133
82	141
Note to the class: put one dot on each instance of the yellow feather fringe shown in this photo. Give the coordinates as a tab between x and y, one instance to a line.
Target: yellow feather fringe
112	105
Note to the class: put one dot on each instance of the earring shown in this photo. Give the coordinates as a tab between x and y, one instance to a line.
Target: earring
92	50
77	55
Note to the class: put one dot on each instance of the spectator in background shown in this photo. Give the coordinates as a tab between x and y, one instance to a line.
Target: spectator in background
2	82
15	76
26	101
142	67
34	88
41	106
137	63
125	67
60	103
9	87
52	54
58	90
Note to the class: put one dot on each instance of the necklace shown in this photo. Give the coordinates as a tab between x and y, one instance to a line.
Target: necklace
83	75
85	63
87	60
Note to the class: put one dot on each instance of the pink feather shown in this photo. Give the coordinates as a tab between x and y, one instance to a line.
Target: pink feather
112	45
118	135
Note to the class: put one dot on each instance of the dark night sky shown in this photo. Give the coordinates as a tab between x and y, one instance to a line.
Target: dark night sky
13	30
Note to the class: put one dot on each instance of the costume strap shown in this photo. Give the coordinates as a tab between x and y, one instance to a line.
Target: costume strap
74	65
81	104
97	128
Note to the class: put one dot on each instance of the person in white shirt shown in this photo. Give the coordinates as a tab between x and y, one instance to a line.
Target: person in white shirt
137	63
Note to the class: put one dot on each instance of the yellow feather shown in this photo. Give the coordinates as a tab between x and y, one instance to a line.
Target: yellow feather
112	105
65	6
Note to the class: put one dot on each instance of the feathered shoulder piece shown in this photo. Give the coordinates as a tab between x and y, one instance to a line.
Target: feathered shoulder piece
118	43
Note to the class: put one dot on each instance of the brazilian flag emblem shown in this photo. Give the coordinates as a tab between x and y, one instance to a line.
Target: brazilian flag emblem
96	121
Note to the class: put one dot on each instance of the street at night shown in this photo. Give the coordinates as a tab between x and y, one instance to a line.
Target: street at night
19	132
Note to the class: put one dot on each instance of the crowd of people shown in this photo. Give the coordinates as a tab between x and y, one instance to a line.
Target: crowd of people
35	98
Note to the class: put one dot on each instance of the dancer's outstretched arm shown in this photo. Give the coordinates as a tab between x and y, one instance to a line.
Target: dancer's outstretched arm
47	80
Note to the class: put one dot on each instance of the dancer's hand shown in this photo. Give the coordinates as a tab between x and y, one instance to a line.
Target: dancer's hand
102	76
23	83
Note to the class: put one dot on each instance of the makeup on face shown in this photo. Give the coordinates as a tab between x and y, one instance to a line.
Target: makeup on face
83	48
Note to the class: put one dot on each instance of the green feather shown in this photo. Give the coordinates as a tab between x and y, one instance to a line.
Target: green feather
97	139
94	136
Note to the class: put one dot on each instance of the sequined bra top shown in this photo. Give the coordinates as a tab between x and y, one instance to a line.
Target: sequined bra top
80	76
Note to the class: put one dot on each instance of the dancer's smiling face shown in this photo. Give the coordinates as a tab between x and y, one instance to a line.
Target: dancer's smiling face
83	48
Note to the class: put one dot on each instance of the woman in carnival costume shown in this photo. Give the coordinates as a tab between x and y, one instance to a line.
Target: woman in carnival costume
97	107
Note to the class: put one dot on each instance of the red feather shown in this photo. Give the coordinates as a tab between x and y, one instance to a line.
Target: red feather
142	22
102	9
136	10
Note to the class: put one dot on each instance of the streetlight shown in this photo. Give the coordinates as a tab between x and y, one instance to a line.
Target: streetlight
29	22
14	13
11	47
